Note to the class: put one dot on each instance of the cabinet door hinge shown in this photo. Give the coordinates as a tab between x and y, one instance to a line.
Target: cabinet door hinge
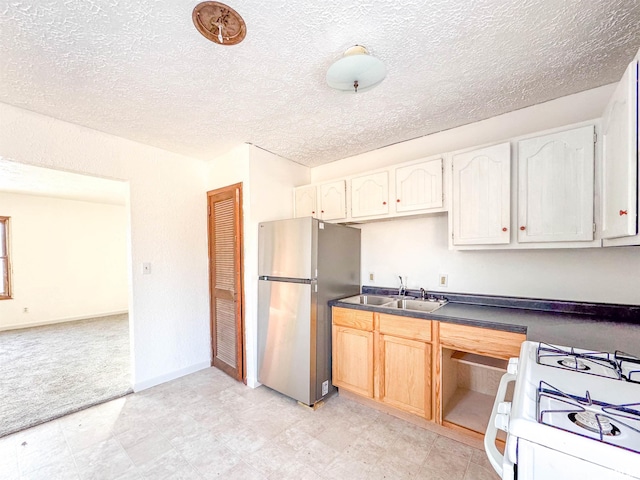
594	228
595	137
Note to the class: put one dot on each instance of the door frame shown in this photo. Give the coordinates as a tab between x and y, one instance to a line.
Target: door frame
239	264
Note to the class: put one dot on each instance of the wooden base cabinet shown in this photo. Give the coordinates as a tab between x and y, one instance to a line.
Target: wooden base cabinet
442	372
353	360
405	374
352	350
384	357
471	362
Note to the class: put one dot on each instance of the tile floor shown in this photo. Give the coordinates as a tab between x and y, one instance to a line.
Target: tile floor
206	425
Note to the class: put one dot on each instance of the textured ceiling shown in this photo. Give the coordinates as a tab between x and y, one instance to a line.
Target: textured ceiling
27	179
140	70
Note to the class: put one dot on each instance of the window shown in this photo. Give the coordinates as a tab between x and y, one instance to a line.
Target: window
5	268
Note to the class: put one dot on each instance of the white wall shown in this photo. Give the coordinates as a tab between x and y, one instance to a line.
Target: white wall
268	182
169	308
69	260
417	248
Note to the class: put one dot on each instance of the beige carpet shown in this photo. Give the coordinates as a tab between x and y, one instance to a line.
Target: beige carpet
50	371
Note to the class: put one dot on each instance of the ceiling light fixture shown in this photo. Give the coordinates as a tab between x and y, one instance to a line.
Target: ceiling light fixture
219	23
356	71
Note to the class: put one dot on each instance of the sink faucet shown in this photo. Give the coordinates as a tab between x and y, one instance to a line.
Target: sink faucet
423	293
403	289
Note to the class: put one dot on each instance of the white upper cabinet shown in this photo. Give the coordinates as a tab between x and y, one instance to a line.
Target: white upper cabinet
481	196
619	158
332	200
370	195
305	201
556	187
419	186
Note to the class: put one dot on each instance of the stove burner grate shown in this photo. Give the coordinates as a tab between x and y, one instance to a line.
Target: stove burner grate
629	365
596	420
601	364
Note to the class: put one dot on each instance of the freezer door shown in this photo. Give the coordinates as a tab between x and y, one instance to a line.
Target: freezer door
287	248
286	350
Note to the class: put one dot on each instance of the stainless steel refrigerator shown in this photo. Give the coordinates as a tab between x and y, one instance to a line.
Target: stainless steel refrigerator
303	263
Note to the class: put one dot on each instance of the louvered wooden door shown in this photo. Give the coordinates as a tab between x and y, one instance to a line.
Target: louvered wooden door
225	280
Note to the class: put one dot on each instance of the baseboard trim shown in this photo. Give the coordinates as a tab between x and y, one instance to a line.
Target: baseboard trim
167	377
19	326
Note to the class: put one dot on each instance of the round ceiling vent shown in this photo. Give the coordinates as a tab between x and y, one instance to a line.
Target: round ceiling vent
219	23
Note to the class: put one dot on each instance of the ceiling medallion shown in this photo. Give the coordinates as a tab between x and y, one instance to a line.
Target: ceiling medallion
219	23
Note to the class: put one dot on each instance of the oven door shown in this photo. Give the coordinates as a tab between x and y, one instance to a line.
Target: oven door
502	464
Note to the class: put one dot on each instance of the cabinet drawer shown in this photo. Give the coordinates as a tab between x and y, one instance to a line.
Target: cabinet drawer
485	341
347	317
407	327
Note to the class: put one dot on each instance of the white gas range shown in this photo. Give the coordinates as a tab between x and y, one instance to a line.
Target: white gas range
575	414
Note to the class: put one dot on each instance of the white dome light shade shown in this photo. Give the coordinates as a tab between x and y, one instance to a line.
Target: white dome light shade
356	71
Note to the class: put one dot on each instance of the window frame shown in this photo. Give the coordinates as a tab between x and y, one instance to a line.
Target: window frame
6	274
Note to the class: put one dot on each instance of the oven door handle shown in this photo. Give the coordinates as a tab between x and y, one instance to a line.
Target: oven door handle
495	457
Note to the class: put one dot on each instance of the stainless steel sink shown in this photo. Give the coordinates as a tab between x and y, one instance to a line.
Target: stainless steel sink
417	305
368	300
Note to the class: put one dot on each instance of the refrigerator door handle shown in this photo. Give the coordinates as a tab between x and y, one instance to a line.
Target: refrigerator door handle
287	279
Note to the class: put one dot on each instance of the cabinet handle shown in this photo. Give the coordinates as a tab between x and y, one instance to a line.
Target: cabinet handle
623	212
504	229
398	201
384	203
313	213
321	211
523	228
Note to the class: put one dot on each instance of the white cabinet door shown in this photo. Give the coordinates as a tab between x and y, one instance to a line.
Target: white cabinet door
305	201
619	158
555	187
481	196
333	205
370	195
419	186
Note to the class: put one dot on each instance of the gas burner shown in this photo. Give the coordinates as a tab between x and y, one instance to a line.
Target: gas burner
594	423
574	364
601	364
617	425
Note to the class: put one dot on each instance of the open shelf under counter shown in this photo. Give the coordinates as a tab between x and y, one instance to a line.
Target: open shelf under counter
469	386
480	360
469	409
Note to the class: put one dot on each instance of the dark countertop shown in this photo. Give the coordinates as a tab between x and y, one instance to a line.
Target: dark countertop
610	328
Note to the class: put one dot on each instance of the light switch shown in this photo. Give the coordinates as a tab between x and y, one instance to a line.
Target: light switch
146	268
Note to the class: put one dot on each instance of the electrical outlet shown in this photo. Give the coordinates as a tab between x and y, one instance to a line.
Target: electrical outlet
25	310
371	276
146	268
443	280
325	387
